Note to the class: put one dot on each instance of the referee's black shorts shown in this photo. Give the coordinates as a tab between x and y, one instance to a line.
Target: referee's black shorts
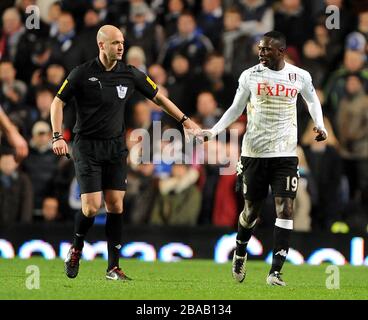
100	164
258	174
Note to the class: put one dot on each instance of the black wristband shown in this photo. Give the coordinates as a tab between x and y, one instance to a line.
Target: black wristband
57	138
56	134
184	118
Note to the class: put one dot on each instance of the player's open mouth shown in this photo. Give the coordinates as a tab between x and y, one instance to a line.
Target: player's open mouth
262	60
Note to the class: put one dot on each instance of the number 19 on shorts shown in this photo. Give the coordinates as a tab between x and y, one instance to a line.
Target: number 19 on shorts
291	183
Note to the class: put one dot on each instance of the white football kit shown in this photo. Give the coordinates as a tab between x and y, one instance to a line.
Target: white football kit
270	97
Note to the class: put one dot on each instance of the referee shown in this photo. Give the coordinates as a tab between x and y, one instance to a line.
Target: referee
101	88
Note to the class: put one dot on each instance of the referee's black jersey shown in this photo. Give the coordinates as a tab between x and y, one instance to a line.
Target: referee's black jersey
101	96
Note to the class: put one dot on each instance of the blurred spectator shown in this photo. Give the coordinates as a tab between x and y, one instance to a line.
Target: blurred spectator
32	65
86	39
227	202
55	74
54	12
143	33
208	113
106	10
158	74
13	91
302	203
16	198
169	17
208	181
12	30
188	41
354	62
179	84
137	58
257	16
41	164
27	117
50	209
314	60
326	200
65	47
356	41
290	18
363	26
210	20
237	47
142	115
352	120
176	192
63	181
216	80
141	194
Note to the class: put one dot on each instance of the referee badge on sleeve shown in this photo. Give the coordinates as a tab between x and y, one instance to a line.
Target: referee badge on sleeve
121	91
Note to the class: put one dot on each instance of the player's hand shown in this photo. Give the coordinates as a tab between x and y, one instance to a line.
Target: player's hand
321	134
20	145
60	148
208	134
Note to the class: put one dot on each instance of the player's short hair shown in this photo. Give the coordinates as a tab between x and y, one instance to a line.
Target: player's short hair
278	36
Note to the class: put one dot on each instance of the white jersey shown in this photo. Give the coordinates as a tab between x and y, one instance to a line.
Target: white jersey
270	97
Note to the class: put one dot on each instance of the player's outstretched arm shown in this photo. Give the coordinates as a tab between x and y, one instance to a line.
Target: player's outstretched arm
233	113
13	136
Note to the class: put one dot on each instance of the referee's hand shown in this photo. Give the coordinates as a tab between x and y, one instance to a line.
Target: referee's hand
60	147
191	129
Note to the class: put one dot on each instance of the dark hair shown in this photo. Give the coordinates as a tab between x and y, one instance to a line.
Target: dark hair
278	36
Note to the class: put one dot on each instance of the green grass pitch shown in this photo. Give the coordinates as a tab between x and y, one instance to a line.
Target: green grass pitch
184	280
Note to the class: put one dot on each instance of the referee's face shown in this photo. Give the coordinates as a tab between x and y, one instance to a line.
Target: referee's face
114	46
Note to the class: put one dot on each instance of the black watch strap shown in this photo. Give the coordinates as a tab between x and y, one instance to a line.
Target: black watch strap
184	118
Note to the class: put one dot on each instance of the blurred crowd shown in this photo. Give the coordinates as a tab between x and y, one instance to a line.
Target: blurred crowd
195	52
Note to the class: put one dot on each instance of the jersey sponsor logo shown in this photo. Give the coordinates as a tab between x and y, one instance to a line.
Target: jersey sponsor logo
63	86
93	79
278	90
150	81
121	91
292	77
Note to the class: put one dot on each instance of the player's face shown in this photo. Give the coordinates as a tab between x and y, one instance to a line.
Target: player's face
269	53
115	47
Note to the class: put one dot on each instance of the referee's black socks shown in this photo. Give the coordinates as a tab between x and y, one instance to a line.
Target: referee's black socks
281	240
113	229
81	227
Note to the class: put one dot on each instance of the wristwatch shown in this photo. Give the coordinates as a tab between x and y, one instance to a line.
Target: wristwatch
56	134
184	118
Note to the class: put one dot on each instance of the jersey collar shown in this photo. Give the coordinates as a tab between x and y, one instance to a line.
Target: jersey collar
102	67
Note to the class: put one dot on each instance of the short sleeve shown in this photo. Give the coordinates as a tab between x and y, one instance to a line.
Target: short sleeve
69	86
144	84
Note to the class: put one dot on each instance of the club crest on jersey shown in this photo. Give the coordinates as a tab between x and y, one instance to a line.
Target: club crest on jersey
292	77
121	91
